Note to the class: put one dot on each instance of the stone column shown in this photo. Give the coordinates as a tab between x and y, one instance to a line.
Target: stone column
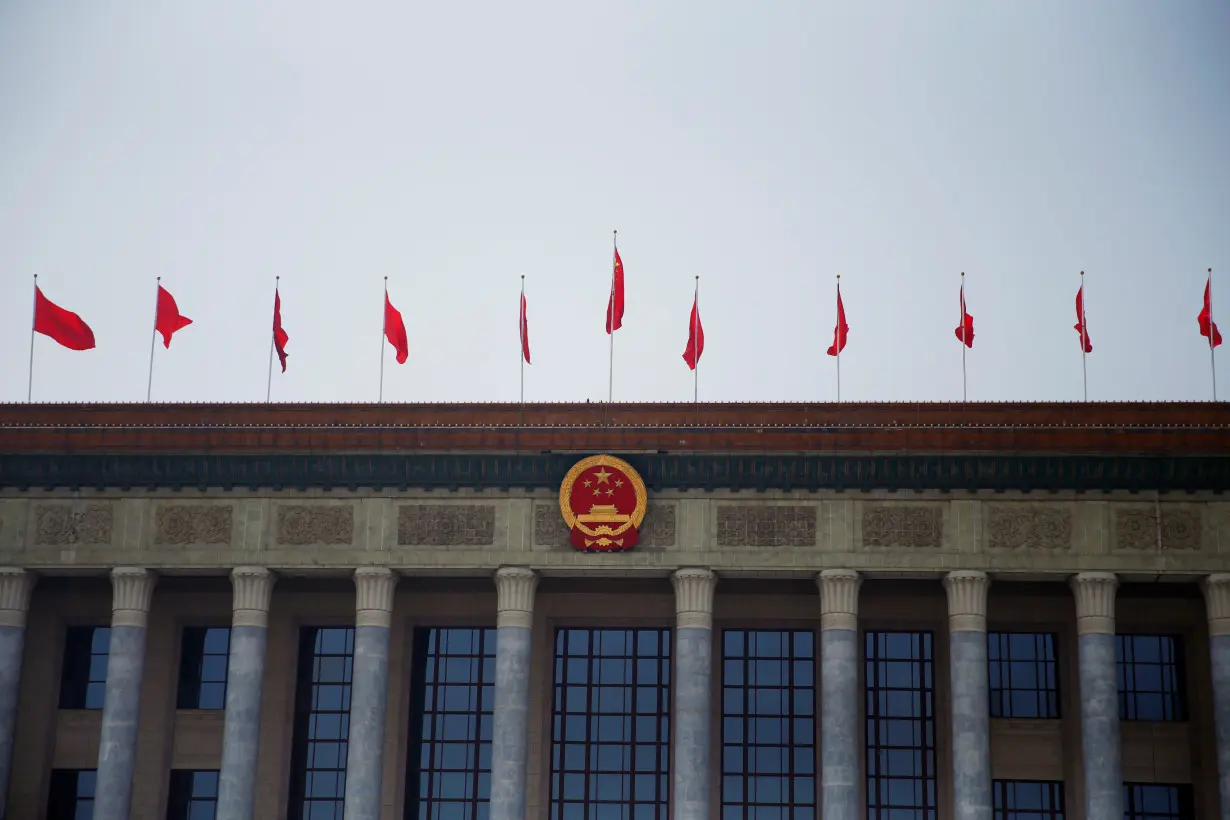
840	712
1100	749
245	676
690	720
131	590
15	586
1217	599
369	691
514	588
968	680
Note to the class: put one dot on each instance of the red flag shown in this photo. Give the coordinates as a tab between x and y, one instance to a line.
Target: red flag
395	330
64	326
279	335
1208	328
1080	325
840	331
525	331
696	337
615	305
965	331
168	319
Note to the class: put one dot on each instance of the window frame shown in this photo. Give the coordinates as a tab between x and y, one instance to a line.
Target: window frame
298	798
1177	701
1185	794
1054	696
59	805
192	669
75	670
1058	795
180	793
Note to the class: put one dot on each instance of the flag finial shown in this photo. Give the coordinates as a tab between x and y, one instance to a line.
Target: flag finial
523	277
1082	273
962	274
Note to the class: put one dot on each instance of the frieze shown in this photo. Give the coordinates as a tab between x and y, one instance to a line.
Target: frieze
65	524
549	528
182	524
1137	529
446	525
658	528
300	524
907	526
766	525
1026	526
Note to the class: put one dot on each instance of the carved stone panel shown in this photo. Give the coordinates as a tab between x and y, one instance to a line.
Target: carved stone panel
68	524
1137	530
761	525
446	525
181	524
549	527
657	531
1028	526
908	526
300	524
658	528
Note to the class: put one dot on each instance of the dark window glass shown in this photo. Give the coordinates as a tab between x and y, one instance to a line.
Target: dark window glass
1024	683
194	795
1157	801
610	741
768	724
1028	799
72	794
322	723
202	668
83	678
453	696
900	726
1149	670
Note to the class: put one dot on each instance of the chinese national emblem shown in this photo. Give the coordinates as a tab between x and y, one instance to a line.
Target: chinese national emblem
603	502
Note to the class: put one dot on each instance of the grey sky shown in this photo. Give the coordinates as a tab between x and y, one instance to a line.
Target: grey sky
453	147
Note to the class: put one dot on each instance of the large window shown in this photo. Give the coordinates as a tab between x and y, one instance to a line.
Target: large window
194	795
610	745
768	724
900	726
1024	683
1150	677
202	667
83	677
1157	801
1028	799
453	697
71	796
322	723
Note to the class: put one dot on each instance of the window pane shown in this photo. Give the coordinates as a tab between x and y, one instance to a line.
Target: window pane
204	654
1023	675
900	726
1149	673
1157	801
71	792
83	674
318	769
1027	800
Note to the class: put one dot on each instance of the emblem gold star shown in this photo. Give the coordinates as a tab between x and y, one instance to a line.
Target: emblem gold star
618	483
588	482
602	475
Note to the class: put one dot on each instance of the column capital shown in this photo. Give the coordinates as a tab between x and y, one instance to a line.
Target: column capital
967	600
374	596
693	597
251	588
1095	602
131	590
839	598
1217	601
15	587
514	596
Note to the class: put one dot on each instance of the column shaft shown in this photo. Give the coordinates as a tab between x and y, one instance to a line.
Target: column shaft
971	720
510	724
840	756
15	586
1100	747
691	717
369	693
1217	600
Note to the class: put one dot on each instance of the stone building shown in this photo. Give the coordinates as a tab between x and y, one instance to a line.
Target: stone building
885	611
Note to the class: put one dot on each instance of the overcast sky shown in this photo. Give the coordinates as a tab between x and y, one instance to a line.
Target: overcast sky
765	147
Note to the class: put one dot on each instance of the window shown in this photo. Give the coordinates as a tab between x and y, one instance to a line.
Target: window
1027	799
72	794
1149	677
202	668
1024	683
322	723
194	795
1156	801
768	724
900	726
83	679
610	751
453	698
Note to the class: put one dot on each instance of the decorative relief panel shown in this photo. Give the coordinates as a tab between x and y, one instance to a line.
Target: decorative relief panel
1137	530
300	524
912	526
64	524
179	524
1026	526
549	527
658	528
766	525
446	525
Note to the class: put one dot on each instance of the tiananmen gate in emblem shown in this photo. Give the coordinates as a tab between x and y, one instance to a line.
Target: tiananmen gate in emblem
603	503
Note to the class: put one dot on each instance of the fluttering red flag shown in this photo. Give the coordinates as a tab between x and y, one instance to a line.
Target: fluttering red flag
279	335
1208	328
62	325
1080	325
965	330
168	318
525	331
696	336
615	305
395	330
841	330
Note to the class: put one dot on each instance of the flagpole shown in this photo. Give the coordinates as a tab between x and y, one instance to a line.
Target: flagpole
610	395
964	341
521	328
1212	347
269	378
384	327
838	343
33	317
696	348
149	385
1084	341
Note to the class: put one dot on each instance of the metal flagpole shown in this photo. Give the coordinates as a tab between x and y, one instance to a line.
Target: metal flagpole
696	348
837	339
384	327
1084	340
610	395
1212	347
964	341
33	317
269	378
149	385
521	333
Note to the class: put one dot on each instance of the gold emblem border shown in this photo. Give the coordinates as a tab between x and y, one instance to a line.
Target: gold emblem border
638	486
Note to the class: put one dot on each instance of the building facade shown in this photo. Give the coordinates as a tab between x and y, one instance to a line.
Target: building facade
858	611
